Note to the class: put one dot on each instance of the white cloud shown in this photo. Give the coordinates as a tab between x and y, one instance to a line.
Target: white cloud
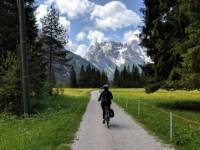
40	12
114	15
131	36
93	36
66	23
81	36
77	49
82	50
71	46
96	36
73	8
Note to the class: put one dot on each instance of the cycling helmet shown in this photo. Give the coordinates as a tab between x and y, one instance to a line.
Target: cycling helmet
105	86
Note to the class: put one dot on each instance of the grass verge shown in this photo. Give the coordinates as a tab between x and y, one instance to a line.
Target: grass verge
152	112
52	128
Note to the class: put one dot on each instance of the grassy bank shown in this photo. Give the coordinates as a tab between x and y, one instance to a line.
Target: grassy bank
152	112
52	128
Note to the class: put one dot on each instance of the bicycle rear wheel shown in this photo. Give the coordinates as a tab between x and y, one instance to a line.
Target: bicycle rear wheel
108	123
107	119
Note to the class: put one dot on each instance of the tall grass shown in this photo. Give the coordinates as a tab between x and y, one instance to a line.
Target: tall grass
52	128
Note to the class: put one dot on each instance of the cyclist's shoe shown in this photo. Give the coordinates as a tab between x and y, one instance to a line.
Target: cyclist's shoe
103	121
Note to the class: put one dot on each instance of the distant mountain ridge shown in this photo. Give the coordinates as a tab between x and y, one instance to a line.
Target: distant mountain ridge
107	55
63	71
104	56
62	62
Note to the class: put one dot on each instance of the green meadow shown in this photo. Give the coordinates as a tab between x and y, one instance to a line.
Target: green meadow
57	118
52	127
152	111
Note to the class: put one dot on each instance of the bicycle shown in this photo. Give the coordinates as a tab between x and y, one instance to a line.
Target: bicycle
107	116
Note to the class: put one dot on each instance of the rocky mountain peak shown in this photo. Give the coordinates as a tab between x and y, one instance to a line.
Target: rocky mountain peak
107	55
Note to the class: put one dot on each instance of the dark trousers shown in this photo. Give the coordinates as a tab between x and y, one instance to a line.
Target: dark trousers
103	106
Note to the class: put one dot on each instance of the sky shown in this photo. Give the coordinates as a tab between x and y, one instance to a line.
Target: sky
90	21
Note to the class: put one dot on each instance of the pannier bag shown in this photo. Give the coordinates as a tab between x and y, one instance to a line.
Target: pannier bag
111	112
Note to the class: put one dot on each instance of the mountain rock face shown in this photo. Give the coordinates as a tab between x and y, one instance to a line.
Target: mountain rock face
62	71
107	55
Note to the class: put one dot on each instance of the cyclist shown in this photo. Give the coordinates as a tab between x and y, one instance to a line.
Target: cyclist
105	98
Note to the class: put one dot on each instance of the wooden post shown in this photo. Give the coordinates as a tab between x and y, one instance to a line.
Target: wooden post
138	107
171	126
23	58
126	102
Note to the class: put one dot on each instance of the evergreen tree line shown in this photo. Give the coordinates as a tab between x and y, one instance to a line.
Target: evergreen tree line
40	51
89	77
127	78
171	34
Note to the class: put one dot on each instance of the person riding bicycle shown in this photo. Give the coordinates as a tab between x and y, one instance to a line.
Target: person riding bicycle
105	98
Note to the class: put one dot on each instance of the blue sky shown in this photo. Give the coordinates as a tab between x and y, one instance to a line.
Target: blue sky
90	21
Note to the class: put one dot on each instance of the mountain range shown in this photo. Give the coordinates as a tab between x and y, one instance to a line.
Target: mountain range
106	56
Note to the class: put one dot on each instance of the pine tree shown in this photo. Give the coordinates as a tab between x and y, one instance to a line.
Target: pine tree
9	26
116	80
54	32
9	31
10	83
124	75
38	69
135	76
9	55
128	79
98	77
73	79
190	48
88	76
82	77
93	78
163	30
104	79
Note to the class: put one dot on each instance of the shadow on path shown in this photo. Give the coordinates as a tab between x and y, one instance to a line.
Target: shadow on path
117	126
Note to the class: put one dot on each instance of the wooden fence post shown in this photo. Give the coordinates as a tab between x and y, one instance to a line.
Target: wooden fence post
138	107
126	102
171	126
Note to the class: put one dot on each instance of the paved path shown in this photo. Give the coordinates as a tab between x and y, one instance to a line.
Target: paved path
124	133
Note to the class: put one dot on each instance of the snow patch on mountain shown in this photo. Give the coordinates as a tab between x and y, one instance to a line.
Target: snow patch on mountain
107	55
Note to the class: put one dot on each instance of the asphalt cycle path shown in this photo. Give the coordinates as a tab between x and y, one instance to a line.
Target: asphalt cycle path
124	133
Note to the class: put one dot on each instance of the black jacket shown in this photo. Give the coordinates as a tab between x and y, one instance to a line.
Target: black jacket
105	97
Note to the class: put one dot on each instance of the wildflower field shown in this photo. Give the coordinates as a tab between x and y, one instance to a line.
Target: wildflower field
152	111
